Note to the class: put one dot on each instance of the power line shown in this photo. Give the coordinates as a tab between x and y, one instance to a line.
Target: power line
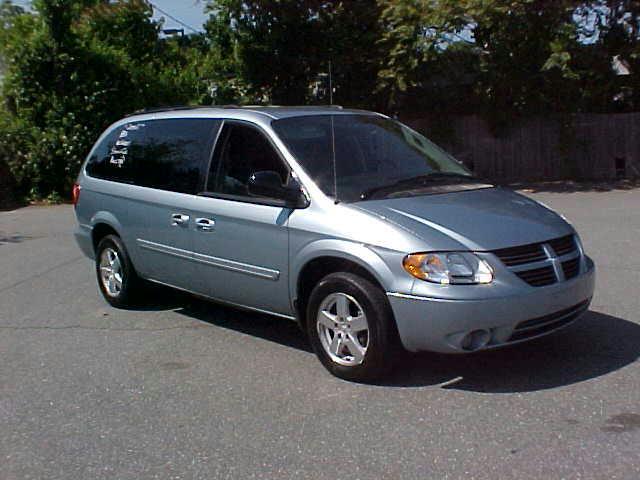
174	18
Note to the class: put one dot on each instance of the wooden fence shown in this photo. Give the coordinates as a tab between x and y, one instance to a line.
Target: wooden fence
590	146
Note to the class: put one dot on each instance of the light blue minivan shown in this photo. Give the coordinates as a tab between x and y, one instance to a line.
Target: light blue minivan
348	222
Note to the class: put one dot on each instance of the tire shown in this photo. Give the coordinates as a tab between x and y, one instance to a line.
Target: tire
337	349
117	279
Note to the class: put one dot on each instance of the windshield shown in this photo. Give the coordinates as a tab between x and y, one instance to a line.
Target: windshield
372	154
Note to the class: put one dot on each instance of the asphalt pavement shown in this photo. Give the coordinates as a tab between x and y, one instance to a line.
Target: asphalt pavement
186	389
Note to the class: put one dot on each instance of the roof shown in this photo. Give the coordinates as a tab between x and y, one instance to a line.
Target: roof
271	111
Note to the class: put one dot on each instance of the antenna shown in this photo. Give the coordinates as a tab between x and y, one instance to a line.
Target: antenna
333	158
330	87
333	140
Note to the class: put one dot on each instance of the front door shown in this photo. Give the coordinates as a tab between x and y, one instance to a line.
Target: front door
241	241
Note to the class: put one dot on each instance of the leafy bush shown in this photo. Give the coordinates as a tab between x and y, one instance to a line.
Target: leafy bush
73	68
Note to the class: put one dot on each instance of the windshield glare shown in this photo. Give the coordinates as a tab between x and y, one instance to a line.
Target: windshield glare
370	152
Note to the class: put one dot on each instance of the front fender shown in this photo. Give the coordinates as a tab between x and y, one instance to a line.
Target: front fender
369	258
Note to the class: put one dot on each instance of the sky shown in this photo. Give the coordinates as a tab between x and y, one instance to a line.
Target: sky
189	12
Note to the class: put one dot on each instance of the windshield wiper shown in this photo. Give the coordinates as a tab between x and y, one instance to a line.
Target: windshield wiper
436	175
418	181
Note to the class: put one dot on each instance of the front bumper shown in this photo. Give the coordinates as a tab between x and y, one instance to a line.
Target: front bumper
441	325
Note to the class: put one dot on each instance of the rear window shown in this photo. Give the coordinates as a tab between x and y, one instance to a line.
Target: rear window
164	154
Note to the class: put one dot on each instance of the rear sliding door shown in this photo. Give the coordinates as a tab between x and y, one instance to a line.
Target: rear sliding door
170	157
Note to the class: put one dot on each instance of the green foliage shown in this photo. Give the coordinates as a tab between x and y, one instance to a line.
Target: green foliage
516	46
71	67
274	43
271	51
349	34
529	56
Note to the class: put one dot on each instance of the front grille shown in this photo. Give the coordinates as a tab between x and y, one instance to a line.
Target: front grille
532	262
571	268
563	245
547	323
538	277
520	255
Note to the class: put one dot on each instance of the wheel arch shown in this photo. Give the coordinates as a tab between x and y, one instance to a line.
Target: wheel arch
103	224
100	231
325	257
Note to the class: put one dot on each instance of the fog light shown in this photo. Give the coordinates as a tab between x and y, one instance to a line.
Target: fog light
475	339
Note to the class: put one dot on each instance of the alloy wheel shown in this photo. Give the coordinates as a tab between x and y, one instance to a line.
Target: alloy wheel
343	329
111	273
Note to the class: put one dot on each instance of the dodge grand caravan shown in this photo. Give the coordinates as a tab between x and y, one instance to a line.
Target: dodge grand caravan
350	223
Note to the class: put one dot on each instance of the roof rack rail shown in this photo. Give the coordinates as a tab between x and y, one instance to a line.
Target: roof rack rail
300	107
171	108
164	109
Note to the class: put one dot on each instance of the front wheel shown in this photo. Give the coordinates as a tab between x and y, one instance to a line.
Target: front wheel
350	326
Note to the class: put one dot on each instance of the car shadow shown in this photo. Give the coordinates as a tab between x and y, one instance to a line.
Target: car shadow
268	327
595	345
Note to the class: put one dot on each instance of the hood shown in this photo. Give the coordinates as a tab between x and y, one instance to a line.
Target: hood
483	219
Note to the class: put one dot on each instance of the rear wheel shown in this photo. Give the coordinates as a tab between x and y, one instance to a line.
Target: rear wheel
350	326
117	279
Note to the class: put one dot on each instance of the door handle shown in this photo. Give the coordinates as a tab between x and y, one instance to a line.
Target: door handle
179	219
205	224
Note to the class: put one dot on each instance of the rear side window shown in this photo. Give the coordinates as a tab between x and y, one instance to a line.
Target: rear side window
173	153
164	154
111	160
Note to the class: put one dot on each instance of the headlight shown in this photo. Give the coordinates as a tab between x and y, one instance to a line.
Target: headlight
448	268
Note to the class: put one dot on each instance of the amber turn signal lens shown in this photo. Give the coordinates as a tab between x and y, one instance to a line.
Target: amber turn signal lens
413	264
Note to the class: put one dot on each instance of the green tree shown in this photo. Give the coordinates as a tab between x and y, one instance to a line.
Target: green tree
349	34
73	67
274	44
610	30
8	13
522	46
272	51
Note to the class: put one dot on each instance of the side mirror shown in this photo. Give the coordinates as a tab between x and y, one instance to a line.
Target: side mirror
268	184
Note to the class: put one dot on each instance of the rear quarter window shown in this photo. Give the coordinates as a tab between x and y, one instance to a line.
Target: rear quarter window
111	159
166	154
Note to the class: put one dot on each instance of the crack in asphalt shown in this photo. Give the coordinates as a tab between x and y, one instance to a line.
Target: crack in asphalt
41	274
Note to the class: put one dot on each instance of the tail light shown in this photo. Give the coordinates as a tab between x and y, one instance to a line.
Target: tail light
75	194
